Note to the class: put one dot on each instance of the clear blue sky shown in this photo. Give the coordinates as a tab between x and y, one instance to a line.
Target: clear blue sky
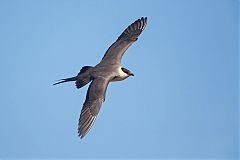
181	103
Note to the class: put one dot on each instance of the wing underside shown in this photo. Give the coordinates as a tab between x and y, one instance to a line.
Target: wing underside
94	99
124	41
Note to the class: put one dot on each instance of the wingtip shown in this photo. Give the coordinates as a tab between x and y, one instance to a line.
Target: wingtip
142	23
144	20
81	135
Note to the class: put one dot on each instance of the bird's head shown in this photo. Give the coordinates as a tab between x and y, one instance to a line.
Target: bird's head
128	72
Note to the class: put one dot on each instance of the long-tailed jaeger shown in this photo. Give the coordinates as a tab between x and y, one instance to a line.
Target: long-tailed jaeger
108	70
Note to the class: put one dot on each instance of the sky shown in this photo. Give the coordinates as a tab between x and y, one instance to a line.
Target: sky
181	103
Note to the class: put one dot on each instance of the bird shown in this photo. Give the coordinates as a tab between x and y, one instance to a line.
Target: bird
108	70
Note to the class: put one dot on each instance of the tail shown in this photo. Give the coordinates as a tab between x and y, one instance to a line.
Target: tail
66	80
81	79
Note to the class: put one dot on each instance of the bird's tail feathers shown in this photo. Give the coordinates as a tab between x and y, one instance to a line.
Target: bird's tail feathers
81	79
66	80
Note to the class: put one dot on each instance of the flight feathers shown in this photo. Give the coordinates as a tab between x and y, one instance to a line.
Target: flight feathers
134	30
115	52
94	99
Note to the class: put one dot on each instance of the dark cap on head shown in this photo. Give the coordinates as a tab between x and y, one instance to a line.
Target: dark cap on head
128	72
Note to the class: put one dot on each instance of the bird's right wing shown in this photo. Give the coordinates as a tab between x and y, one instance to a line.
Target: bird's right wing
94	99
125	40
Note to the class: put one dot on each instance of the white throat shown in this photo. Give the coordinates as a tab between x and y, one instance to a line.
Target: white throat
121	73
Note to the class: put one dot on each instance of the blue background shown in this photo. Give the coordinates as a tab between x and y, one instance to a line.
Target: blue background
181	103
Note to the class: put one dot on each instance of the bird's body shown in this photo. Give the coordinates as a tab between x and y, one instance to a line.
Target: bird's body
108	70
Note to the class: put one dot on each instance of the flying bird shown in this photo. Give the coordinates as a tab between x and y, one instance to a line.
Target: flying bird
108	70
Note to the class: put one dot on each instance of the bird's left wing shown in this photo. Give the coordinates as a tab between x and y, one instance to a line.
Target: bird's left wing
125	40
94	99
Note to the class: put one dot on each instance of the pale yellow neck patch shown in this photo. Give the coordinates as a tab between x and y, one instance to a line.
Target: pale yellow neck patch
121	73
